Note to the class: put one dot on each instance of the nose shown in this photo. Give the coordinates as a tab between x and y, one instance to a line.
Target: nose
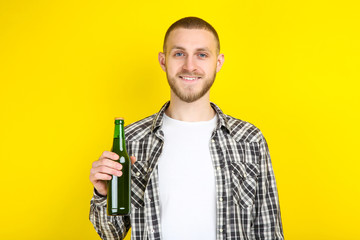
189	64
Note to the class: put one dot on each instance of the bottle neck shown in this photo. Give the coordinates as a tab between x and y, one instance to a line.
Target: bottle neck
120	134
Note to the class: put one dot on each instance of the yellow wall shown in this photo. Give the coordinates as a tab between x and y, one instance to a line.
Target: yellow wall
67	68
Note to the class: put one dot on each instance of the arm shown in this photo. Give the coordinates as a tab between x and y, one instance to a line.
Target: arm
108	227
267	222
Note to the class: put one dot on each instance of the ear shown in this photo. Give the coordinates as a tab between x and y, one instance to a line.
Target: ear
219	62
162	61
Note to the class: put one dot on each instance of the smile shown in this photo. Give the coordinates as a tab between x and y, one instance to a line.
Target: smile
189	78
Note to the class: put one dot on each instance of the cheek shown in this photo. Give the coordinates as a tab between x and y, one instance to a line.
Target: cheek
207	65
172	67
208	68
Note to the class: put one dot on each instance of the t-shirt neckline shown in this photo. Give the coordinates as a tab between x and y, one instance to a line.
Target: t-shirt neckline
190	123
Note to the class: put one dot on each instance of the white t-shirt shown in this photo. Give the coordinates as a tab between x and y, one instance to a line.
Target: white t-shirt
187	181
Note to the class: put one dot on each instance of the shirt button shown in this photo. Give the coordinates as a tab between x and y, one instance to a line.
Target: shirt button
137	174
149	169
218	168
221	199
213	140
152	230
221	230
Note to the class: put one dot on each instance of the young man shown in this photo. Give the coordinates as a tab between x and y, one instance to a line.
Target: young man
198	173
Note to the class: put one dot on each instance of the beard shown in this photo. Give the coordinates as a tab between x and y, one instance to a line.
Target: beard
188	94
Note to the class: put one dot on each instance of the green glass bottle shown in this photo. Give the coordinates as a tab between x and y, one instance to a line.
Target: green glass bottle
119	188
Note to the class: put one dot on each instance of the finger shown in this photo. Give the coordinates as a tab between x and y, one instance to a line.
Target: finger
100	176
133	159
107	170
110	155
107	162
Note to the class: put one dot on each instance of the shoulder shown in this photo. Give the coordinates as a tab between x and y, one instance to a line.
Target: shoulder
243	131
239	130
139	129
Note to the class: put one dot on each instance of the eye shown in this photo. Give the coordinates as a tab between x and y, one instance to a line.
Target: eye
179	54
202	55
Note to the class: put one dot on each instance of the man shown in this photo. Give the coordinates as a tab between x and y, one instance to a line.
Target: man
198	173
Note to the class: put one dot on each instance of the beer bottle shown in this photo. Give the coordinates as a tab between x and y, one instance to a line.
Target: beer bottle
119	191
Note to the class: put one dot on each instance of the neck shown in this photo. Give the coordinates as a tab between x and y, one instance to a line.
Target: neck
200	110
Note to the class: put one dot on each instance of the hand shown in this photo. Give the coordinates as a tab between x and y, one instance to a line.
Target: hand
103	169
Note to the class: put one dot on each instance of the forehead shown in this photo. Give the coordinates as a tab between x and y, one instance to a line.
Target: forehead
190	39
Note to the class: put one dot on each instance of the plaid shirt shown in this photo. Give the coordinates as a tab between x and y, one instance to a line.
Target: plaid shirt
247	200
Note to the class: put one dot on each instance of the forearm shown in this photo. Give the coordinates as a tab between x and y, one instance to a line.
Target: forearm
267	223
108	227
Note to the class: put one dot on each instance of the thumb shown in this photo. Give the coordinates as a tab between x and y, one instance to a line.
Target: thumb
133	159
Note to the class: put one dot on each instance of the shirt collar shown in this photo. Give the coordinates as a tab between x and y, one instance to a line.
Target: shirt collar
222	119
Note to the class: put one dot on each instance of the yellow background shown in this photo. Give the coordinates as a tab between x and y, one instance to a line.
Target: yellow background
67	68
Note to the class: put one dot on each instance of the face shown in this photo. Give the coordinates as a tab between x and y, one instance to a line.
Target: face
191	63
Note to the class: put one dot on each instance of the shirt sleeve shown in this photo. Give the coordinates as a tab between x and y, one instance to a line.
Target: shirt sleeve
108	227
267	223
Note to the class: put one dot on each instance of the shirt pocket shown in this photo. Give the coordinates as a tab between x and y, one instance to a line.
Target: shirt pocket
138	183
244	183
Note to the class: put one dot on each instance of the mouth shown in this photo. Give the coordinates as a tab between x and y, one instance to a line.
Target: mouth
189	78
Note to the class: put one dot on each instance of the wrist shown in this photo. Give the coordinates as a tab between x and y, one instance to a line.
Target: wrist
98	194
98	199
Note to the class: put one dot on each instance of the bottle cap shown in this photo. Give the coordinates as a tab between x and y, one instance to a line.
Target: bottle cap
119	118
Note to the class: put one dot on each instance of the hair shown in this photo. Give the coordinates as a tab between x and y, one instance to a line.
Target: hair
191	23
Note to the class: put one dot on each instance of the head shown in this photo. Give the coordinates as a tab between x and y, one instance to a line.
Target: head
191	58
192	23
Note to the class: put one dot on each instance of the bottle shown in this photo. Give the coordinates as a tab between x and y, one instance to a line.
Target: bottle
118	188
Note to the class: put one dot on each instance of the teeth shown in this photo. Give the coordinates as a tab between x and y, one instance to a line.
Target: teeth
186	78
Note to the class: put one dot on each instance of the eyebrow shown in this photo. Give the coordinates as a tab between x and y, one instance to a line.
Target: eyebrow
198	49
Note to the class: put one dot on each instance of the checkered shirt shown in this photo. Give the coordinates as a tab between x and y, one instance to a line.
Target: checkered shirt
247	205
